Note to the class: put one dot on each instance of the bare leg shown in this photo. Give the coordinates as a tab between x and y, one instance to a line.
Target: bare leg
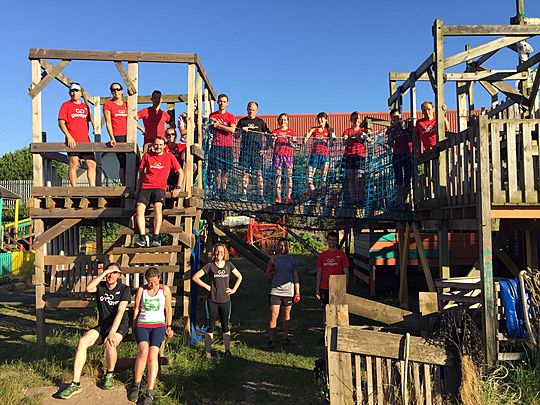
325	173
158	217
227	340
208	342
286	320
311	173
261	183
245	183
289	181
140	362
111	355
274	313
219	179
91	172
141	208
89	339
224	180
72	171
153	367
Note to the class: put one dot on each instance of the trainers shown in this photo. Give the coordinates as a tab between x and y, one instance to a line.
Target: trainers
147	399
133	392
142	241
289	200
278	200
155	242
108	381
228	354
270	345
71	390
208	355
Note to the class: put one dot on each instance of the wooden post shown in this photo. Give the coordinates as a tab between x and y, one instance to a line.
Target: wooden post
403	262
199	123
444	251
97	134
393	89
440	177
485	245
37	169
338	289
531	250
132	104
461	95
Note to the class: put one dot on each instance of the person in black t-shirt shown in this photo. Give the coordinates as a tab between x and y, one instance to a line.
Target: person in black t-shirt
112	299
219	302
253	130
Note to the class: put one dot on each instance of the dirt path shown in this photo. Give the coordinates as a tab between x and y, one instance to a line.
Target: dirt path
91	394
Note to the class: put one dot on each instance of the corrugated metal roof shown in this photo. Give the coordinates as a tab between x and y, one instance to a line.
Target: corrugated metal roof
301	123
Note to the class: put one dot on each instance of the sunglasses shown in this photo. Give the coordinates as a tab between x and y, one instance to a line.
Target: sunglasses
73	90
119	89
170	134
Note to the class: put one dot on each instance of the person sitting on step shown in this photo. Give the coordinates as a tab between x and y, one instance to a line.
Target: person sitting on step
151	186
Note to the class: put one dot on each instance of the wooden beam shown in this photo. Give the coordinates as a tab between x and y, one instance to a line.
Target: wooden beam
129	84
54	231
165	98
491	30
207	83
39	53
45	147
102	191
66	81
511	92
481	50
508	262
134	250
423	258
440	186
44	213
534	90
417	73
488	75
48	78
533	60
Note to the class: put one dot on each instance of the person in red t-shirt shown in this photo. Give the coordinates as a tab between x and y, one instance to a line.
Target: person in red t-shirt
355	159
330	262
221	156
399	139
151	186
283	156
319	158
179	152
73	119
115	112
154	120
426	127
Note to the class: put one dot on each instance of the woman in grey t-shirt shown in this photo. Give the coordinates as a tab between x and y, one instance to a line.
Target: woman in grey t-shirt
285	289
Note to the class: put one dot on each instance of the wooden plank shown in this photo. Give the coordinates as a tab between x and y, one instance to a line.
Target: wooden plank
35	90
142	269
102	191
511	148
54	231
123	73
202	72
491	30
379	379
358	378
338	289
165	98
403	259
164	229
467	76
531	195
508	262
418	393
339	364
533	60
356	339
197	151
427	382
369	374
423	258
39	53
80	213
66	81
46	147
132	250
481	49
439	181
152	258
428	62
496	164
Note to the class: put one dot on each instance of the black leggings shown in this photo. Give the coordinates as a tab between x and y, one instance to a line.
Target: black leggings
213	309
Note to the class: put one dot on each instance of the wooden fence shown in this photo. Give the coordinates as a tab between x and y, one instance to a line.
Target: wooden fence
367	366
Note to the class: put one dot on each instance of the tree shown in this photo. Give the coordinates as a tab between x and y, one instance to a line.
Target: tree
18	166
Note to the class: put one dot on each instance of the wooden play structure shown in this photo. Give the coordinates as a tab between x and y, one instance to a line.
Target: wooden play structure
62	271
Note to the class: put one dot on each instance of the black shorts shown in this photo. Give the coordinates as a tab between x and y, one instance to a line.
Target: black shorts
104	330
355	162
151	195
325	296
154	336
121	156
220	158
277	300
83	155
250	161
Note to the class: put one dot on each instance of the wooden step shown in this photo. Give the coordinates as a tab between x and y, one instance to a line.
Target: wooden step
88	192
134	250
124	230
142	269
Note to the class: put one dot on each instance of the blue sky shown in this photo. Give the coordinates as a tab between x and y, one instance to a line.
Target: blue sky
296	56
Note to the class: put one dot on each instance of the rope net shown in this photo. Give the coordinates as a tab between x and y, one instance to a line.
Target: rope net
267	174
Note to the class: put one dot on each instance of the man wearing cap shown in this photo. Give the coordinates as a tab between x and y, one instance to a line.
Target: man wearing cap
73	119
154	120
112	299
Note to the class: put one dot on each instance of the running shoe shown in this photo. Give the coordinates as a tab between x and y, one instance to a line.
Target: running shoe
108	381
71	390
133	392
147	399
228	354
208	355
289	200
142	241
155	242
278	200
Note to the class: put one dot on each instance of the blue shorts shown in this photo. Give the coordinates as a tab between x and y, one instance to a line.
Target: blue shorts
154	336
318	161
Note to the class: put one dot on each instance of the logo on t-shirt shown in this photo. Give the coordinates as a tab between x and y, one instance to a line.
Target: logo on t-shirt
221	273
110	299
157	165
151	304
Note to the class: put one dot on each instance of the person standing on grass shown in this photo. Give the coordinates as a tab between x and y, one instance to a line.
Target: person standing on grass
112	299
332	261
219	271
152	321
284	156
115	112
285	289
154	171
73	119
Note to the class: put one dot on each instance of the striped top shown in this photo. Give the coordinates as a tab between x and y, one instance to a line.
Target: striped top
151	310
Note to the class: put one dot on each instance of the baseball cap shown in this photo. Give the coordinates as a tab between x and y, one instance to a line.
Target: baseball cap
75	86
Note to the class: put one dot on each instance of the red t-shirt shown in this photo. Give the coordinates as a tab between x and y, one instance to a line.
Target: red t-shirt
222	137
427	131
320	142
402	139
118	117
76	118
158	168
282	145
331	263
154	121
354	146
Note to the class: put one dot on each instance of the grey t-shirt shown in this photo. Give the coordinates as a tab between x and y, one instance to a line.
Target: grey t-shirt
282	280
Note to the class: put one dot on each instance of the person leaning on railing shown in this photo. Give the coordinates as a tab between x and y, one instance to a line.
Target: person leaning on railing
73	119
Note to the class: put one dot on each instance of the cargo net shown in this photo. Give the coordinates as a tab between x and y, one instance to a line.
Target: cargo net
258	175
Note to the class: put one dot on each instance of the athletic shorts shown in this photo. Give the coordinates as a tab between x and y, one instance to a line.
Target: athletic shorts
154	336
355	162
318	161
325	296
277	300
220	158
282	161
104	330
121	156
83	155
250	161
151	195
